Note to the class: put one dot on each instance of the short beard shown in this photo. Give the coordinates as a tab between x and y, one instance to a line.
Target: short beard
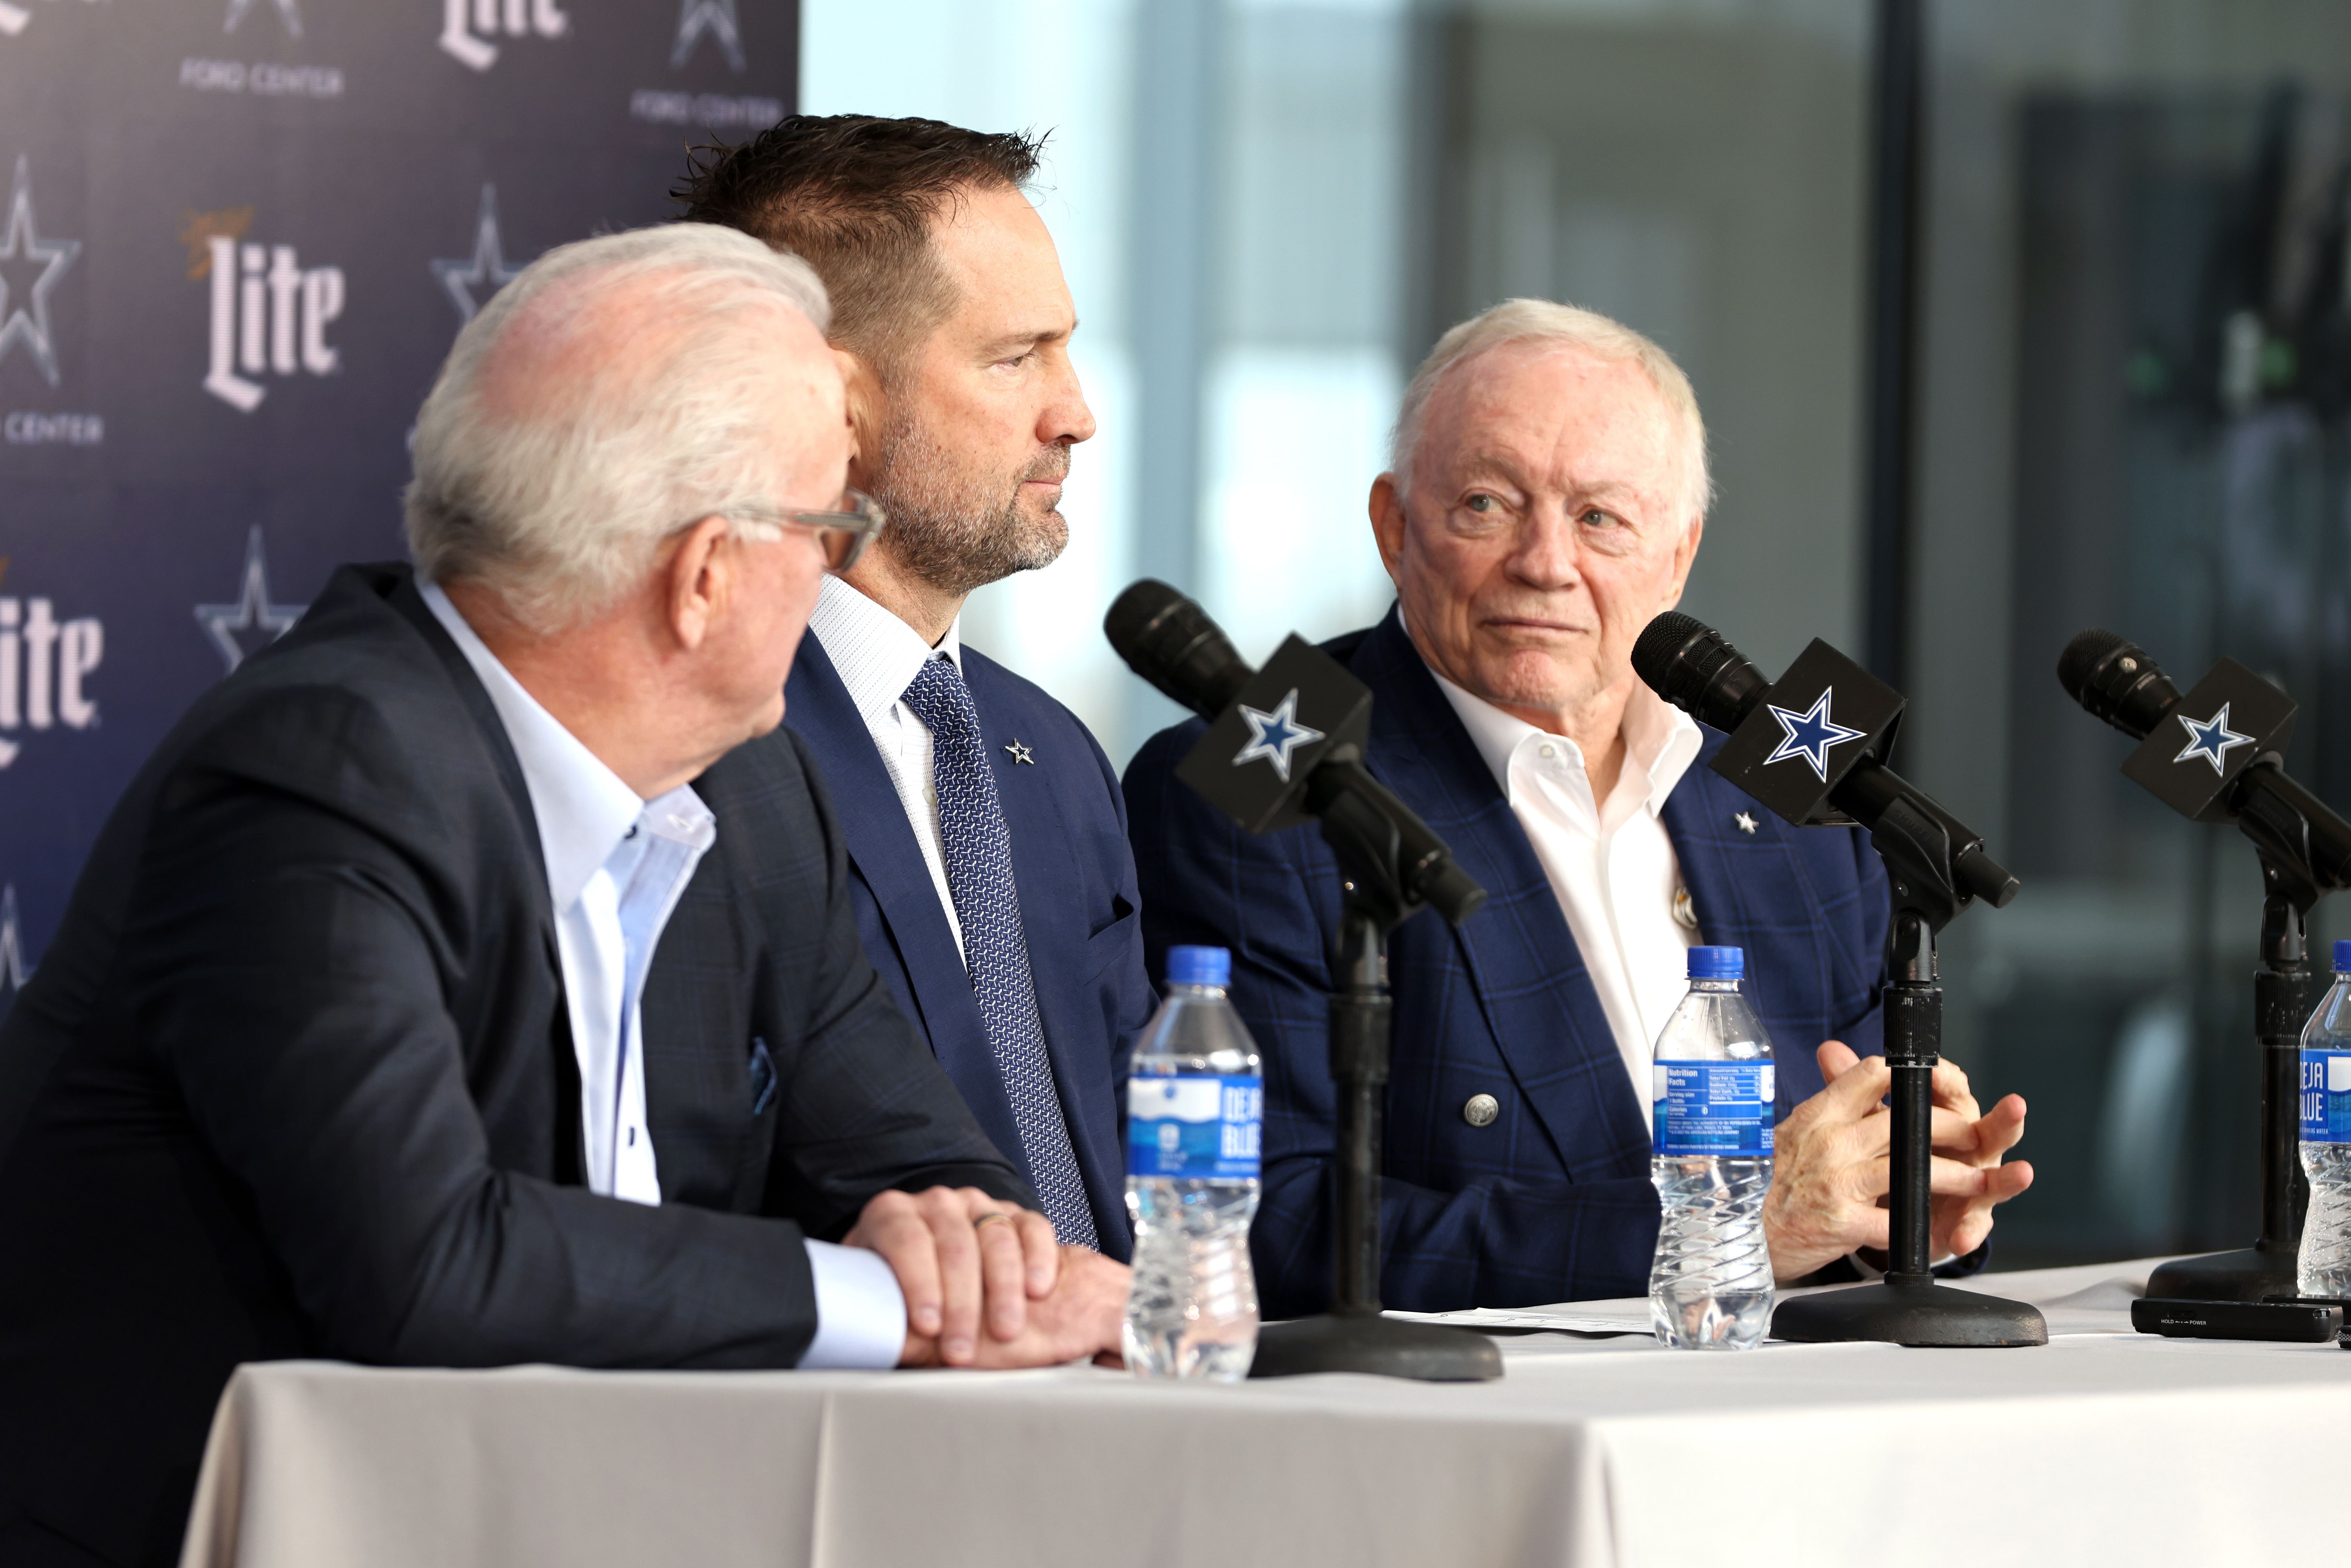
955	530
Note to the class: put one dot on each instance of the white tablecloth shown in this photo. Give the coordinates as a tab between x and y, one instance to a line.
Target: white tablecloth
2104	1447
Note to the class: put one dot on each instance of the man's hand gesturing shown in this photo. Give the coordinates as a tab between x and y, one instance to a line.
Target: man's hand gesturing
1831	1172
985	1284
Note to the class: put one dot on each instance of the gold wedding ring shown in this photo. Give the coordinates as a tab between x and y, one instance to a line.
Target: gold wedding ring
994	1214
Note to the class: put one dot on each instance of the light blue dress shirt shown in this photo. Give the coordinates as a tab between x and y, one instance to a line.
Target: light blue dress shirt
616	864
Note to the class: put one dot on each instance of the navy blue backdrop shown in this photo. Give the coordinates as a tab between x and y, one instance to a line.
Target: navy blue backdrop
236	240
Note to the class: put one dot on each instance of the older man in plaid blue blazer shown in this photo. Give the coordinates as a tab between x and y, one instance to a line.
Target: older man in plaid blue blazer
1547	498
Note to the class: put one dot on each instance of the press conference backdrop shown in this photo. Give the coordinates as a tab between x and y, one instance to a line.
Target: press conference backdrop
238	238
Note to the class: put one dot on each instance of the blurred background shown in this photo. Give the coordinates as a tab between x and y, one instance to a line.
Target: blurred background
2128	367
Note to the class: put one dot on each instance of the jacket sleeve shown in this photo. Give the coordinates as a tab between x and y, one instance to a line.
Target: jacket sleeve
284	962
865	1105
1494	1240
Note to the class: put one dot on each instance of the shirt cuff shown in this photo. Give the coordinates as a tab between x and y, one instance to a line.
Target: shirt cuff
861	1312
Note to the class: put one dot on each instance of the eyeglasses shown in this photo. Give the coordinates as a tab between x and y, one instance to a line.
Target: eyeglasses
843	534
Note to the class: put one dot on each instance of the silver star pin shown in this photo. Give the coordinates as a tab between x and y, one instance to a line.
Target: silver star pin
1021	754
1746	823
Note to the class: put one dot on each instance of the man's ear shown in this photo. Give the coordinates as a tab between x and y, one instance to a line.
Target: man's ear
866	402
1387	524
700	582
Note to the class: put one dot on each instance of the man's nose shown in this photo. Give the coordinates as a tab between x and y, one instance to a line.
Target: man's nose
1065	416
1546	555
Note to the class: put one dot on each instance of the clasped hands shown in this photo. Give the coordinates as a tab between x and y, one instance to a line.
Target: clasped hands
1831	1172
986	1284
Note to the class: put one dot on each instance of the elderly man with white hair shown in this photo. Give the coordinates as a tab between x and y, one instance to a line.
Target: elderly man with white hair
1548	493
471	978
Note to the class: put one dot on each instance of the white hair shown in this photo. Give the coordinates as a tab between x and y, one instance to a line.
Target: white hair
562	507
1546	321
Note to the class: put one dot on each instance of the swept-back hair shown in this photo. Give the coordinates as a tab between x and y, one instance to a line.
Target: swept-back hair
857	195
1547	321
561	508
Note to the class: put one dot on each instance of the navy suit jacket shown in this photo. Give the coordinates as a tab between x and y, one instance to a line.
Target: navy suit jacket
1552	1200
1078	904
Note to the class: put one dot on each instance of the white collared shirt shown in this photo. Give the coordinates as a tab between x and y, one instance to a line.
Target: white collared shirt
1611	863
616	865
877	657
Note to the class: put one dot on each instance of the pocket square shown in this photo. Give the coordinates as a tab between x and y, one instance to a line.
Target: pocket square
762	1076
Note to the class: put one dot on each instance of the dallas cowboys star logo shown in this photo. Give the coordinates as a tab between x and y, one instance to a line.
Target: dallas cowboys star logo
1746	821
31	328
1020	753
1810	733
13	972
717	17
285	13
485	270
252	624
2211	739
1276	735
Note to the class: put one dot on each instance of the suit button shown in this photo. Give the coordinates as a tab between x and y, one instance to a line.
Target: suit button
1481	1110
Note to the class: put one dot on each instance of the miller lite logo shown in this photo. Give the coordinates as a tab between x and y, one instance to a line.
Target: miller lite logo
269	313
468	25
46	663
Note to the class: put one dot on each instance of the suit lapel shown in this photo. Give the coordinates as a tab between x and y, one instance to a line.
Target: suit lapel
883	852
1529	977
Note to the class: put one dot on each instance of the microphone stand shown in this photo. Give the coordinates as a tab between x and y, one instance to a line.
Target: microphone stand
1908	1307
2282	1002
1354	1336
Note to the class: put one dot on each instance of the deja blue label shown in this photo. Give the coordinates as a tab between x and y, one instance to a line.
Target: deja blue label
1712	1107
2327	1096
1206	1128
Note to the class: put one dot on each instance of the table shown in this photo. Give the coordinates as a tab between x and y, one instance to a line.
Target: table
2104	1447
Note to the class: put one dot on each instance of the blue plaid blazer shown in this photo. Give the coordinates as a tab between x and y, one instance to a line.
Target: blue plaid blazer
1552	1200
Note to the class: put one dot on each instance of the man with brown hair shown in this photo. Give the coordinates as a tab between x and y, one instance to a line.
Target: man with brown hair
987	835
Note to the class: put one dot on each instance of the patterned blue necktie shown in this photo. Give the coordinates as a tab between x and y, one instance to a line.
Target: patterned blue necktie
996	947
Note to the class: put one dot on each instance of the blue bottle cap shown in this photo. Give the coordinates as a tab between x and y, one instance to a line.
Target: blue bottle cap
1200	967
2343	958
1717	962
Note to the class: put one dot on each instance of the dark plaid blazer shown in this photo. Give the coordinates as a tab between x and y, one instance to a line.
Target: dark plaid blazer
1075	875
1552	1200
296	1079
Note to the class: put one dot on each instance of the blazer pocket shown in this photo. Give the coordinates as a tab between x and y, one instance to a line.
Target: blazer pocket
1112	943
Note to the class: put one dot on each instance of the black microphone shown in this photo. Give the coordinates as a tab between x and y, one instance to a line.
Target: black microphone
1285	744
2215	755
1694	667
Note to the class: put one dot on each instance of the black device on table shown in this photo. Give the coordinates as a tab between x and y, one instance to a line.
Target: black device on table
2298	1322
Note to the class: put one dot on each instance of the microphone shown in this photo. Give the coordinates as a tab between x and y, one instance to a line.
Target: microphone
1285	744
1780	749
2223	767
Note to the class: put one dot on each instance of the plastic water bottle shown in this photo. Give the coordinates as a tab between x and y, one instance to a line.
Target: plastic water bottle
1194	1110
1711	1089
2323	1266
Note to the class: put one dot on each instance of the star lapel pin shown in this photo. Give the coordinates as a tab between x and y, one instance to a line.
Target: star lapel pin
1021	754
1746	823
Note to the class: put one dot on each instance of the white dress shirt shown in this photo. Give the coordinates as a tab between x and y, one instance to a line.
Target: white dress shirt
877	657
616	864
1611	863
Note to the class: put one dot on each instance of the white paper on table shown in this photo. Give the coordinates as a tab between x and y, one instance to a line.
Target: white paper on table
1558	1323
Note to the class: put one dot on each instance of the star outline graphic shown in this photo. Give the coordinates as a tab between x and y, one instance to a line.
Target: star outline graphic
2211	739
287	13
461	277
1020	753
17	325
1810	733
253	611
1275	736
695	18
